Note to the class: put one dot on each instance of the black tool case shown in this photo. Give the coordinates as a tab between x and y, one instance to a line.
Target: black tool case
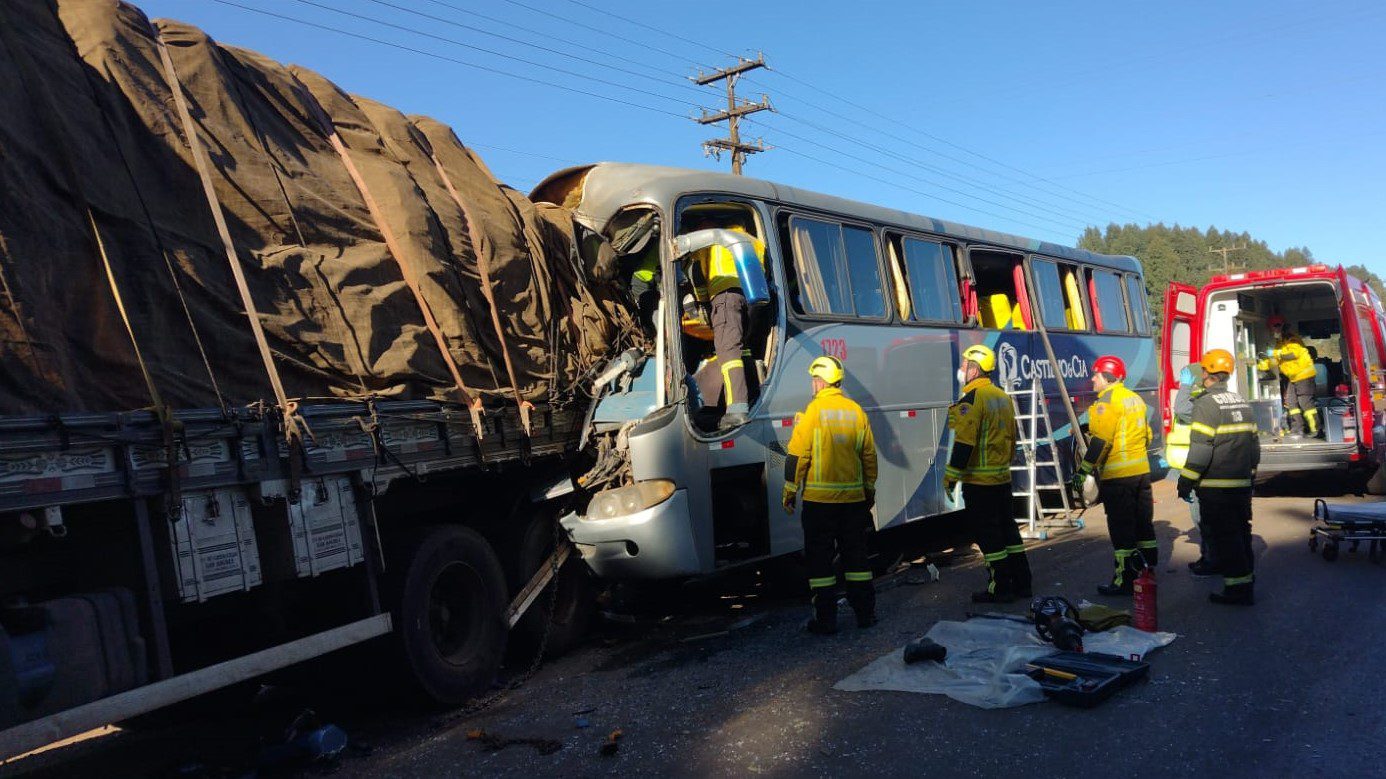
1099	676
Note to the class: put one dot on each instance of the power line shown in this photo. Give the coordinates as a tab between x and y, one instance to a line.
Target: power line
491	52
510	39
652	28
642	44
560	39
959	147
709	47
445	58
1068	214
898	185
898	172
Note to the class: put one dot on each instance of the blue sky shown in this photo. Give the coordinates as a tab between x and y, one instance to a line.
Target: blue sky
1036	118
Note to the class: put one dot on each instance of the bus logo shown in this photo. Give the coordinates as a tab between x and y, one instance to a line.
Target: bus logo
1014	369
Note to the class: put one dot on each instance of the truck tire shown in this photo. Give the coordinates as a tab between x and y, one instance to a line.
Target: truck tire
576	597
450	613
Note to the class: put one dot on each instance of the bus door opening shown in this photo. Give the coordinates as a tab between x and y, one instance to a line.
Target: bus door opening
727	342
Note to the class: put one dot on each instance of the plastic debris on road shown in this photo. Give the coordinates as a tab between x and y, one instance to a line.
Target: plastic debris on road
986	662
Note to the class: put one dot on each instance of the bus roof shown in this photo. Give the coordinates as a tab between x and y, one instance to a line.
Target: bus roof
610	186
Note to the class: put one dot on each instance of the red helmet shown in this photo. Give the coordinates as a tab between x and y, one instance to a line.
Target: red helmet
1275	320
1111	365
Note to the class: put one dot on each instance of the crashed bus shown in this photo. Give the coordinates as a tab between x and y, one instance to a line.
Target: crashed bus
895	296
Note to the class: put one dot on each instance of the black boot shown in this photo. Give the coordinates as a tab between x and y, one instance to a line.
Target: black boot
1234	595
1018	568
1151	556
1115	589
824	620
1202	568
1000	596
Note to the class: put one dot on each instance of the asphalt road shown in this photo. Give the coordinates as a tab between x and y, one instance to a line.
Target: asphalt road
732	685
1292	686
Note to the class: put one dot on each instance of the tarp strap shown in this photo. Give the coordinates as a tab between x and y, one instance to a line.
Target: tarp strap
291	426
58	135
329	129
483	266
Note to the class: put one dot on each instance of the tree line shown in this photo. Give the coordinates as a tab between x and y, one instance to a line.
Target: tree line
1174	253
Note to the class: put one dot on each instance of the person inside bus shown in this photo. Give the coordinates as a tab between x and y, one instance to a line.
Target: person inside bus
729	374
1297	369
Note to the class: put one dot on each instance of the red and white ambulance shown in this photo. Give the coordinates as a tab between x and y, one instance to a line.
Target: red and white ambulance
1341	322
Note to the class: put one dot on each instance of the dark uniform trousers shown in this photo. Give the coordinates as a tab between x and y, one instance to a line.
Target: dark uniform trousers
992	521
1130	509
1299	402
1225	519
832	529
732	371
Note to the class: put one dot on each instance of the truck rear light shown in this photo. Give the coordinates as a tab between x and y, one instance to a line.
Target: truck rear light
1354	457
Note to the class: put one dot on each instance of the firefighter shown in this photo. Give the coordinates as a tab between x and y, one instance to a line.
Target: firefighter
1224	451
833	455
1118	452
984	433
717	286
1297	367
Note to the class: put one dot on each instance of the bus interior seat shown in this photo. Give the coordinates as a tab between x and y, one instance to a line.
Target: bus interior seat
998	313
1073	312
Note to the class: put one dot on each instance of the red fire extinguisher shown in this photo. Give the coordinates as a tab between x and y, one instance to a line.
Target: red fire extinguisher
1143	601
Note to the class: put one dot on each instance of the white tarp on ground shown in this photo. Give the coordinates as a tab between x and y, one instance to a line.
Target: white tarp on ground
986	662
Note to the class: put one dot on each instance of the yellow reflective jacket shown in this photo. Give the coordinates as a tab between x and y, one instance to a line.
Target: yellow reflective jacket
832	452
983	425
1118	434
1293	359
715	269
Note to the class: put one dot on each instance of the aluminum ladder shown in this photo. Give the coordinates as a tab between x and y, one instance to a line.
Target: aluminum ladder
1037	456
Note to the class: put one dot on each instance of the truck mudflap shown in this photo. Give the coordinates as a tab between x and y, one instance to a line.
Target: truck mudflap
656	543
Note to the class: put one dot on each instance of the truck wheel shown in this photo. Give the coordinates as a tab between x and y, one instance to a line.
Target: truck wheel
576	598
450	622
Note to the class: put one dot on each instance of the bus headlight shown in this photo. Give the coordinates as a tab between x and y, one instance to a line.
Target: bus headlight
624	501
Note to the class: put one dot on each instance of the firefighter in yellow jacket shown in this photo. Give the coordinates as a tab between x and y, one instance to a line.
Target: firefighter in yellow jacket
984	433
1118	452
1298	369
833	456
729	374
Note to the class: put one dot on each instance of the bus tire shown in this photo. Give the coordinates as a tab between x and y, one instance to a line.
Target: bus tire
450	613
576	602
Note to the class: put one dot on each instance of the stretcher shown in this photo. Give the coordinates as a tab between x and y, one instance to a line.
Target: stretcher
1350	523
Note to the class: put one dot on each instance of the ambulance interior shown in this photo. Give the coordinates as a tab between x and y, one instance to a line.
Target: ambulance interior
1236	320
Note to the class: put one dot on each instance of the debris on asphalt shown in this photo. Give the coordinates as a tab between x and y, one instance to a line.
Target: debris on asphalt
494	743
612	743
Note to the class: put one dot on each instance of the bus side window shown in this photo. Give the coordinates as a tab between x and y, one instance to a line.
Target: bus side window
1135	294
1058	296
932	281
836	268
999	283
1108	302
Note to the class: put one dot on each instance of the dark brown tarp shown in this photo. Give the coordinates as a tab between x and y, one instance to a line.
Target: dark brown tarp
365	237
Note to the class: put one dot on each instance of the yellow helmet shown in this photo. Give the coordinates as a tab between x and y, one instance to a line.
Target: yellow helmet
981	355
827	368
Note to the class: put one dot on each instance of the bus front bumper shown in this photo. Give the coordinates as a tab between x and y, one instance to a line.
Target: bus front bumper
656	543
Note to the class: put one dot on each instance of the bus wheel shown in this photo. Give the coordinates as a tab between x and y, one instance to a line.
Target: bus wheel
573	606
449	613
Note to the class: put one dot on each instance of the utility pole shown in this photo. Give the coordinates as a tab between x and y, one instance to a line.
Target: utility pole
1224	251
735	110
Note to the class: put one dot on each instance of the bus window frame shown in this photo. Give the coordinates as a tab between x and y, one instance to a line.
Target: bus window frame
1125	304
971	276
896	237
1038	314
766	217
783	216
1139	279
